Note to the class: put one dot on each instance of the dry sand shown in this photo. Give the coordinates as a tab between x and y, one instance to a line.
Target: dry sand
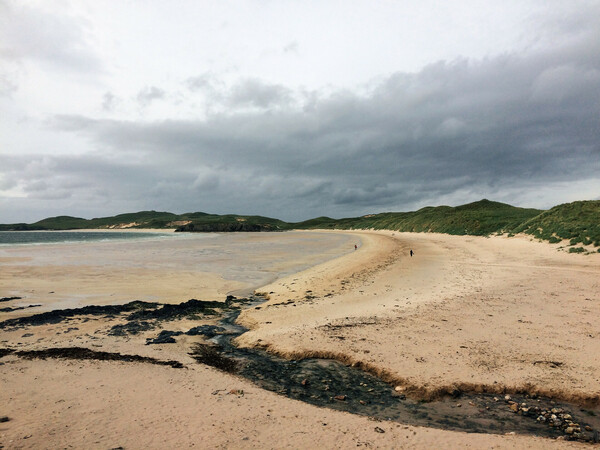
468	312
464	312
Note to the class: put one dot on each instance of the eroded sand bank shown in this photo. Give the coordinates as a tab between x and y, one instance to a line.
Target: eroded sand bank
462	312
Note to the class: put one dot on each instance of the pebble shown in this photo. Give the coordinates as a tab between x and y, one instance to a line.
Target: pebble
557	418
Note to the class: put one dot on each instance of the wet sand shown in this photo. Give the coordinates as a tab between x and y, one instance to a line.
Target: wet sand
168	269
462	313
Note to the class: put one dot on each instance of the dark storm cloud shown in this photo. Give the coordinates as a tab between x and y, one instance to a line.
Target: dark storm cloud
499	128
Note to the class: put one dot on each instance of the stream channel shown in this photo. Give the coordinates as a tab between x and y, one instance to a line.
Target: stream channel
331	384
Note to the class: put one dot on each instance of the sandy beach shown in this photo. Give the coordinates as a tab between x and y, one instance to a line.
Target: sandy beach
463	315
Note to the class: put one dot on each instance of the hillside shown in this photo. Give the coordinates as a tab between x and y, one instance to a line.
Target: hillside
480	218
579	222
197	221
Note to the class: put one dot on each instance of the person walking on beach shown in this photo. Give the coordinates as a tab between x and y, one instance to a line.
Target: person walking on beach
411	253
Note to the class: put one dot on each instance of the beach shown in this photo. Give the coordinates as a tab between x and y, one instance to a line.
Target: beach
464	314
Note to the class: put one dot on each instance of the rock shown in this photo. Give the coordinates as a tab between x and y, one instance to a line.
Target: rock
507	398
588	428
514	407
496	399
209	331
304	382
567	417
570	430
379	430
165	337
341	398
4	419
459	405
399	388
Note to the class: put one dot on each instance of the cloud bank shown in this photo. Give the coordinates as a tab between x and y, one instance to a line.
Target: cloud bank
520	127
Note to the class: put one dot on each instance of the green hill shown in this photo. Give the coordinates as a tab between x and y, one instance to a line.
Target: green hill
579	222
480	218
196	221
230	222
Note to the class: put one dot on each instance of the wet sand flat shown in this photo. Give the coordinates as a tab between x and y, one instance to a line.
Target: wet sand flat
168	269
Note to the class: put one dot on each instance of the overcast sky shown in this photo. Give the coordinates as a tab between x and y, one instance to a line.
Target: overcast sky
295	109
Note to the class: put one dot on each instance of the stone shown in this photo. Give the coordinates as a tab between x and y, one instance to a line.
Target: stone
341	398
514	407
379	430
399	388
4	419
507	398
570	430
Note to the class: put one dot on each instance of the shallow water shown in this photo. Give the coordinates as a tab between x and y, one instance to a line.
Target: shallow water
56	237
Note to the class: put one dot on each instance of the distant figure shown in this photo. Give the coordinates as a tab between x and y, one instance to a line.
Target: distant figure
411	253
355	246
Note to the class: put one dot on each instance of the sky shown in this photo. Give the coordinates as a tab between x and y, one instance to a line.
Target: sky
295	109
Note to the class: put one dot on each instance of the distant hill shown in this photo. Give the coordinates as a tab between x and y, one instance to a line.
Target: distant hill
578	222
197	221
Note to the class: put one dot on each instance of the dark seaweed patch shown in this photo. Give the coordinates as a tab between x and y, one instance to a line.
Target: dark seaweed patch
85	353
211	356
58	315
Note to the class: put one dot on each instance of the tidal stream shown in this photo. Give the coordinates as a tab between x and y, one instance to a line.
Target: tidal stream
331	384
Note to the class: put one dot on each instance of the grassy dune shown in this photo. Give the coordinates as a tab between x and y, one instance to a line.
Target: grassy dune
579	222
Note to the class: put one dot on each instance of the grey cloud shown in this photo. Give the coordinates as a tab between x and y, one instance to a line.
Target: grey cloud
109	101
248	92
253	92
292	47
149	94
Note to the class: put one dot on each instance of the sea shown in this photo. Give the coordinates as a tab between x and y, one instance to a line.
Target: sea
57	237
